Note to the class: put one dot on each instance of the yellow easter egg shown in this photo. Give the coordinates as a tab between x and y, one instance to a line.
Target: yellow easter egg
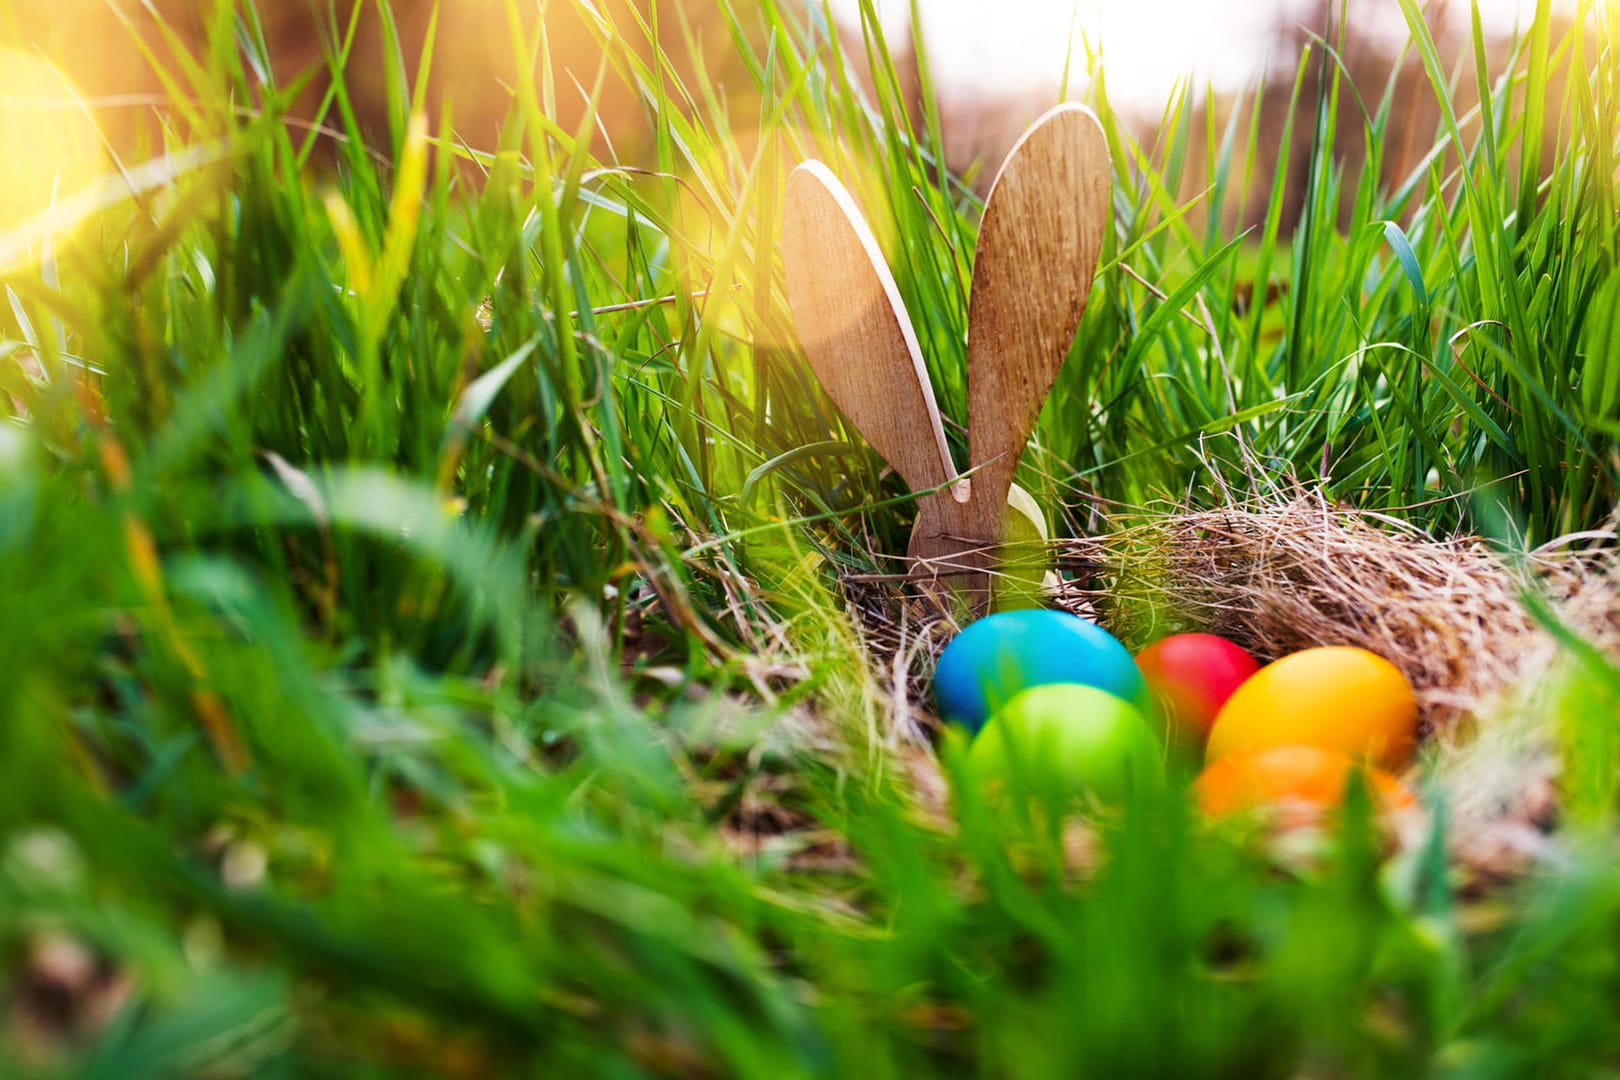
1024	574
1335	698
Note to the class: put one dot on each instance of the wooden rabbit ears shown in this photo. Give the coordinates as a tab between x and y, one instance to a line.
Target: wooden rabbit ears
1037	254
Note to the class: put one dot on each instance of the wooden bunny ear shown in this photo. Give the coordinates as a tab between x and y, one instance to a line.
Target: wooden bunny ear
854	329
1042	231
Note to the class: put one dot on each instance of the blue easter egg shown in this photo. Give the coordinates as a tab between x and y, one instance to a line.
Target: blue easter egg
1001	655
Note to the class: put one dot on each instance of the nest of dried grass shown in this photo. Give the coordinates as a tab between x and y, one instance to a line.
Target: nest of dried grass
1281	576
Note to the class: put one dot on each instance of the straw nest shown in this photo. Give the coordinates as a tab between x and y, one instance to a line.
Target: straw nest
1454	614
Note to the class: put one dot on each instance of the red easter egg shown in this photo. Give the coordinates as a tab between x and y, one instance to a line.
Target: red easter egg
1191	676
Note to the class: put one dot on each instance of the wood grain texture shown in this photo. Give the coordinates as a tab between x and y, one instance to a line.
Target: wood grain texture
1037	254
854	329
860	342
1043	229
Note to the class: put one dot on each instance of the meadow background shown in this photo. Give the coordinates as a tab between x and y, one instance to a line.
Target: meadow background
423	650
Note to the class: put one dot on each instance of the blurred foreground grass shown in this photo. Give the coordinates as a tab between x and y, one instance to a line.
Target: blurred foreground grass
421	651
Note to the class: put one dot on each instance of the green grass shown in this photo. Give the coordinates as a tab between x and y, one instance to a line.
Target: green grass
462	554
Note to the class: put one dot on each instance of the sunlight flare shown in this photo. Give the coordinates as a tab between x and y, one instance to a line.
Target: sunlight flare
54	150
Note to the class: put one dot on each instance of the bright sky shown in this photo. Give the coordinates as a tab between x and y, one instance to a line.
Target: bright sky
1009	45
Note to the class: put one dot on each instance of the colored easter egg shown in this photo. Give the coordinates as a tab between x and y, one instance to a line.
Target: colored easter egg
1336	698
1064	740
1000	655
1023	572
1306	775
1191	676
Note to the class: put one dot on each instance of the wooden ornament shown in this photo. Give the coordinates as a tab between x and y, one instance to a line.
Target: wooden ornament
1037	255
854	329
1043	229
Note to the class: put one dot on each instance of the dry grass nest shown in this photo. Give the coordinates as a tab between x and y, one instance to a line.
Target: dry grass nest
1285	575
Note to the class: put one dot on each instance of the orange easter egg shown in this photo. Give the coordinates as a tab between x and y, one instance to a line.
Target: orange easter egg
1289	774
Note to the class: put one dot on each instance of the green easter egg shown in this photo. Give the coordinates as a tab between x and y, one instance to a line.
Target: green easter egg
1064	740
